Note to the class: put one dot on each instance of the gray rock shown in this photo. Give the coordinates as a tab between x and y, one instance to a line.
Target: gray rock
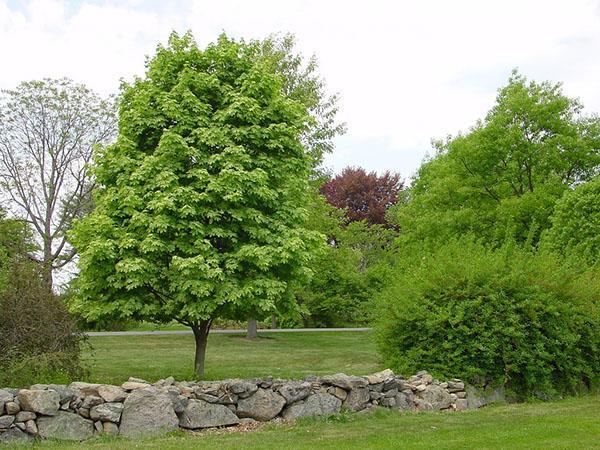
345	381
6	422
478	397
5	397
315	405
423	405
21	426
65	426
15	436
84	389
92	400
12	408
338	392
66	394
243	388
147	412
201	414
84	412
404	402
263	405
137	380
455	386
42	402
98	426
107	412
438	397
24	416
294	391
357	399
133	385
112	393
31	427
169	381
389	402
461	404
110	428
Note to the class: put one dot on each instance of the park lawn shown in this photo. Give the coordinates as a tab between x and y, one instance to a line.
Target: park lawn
113	359
567	424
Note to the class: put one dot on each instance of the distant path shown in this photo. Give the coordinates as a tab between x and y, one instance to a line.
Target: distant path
267	330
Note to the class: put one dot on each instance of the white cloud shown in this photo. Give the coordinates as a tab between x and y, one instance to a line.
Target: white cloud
407	71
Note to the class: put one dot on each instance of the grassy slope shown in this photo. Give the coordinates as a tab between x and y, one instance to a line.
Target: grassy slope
285	355
572	423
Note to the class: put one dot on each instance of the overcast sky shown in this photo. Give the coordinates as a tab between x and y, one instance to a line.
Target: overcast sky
407	71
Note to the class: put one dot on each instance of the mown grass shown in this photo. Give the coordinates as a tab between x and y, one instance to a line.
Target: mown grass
112	359
566	424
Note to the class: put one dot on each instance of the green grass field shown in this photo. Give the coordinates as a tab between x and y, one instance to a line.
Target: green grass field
566	424
286	355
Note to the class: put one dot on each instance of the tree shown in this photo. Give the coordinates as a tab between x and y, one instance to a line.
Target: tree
364	196
200	206
576	223
302	82
48	130
503	178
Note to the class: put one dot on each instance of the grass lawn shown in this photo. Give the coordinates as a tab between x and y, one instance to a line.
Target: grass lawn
566	424
112	359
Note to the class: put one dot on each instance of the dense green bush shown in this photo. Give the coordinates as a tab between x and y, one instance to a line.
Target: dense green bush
576	223
508	317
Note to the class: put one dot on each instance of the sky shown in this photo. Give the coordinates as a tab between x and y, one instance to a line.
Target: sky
407	71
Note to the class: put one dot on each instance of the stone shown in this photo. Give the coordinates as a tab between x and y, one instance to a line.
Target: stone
380	377
461	394
65	426
66	394
263	405
92	400
112	393
422	405
242	388
24	416
437	397
373	395
42	402
461	404
84	412
201	414
479	397
169	381
377	387
133	385
147	412
107	412
345	381
31	427
84	388
294	391
110	428
12	408
6	422
404	402
137	380
98	426
315	405
5	397
391	393
357	399
390	402
21	426
455	386
394	383
338	392
15	436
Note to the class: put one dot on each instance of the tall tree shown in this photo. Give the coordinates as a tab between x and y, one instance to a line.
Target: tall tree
48	130
503	178
200	207
363	195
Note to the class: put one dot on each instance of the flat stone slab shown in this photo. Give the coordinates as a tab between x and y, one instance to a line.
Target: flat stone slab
65	426
41	402
147	412
263	405
201	414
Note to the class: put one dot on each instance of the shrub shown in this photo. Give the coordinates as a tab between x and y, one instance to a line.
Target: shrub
508	317
38	338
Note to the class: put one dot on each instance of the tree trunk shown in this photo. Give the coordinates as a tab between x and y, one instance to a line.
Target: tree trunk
200	330
273	321
252	329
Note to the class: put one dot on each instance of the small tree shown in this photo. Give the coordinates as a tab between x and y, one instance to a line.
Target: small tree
48	130
363	195
200	209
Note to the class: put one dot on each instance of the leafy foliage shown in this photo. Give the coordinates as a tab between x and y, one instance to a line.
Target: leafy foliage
362	195
503	178
576	223
38	338
505	317
201	208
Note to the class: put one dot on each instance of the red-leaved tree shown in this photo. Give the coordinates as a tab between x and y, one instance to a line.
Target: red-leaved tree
363	195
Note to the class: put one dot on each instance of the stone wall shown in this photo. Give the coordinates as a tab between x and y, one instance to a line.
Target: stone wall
139	409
